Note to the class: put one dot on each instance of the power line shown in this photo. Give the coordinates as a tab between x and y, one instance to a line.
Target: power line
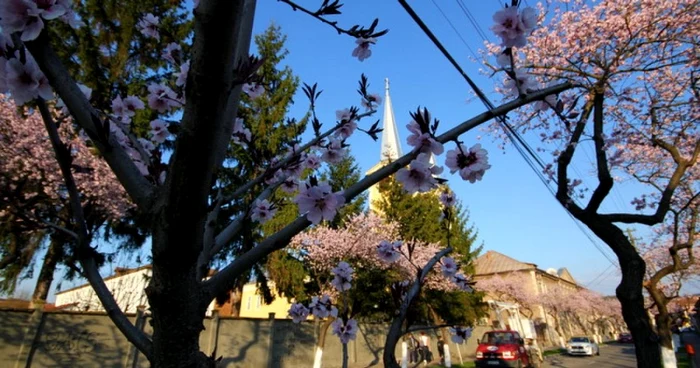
455	29
513	135
472	19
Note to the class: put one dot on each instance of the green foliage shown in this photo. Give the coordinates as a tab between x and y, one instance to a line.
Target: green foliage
341	176
112	57
420	217
292	278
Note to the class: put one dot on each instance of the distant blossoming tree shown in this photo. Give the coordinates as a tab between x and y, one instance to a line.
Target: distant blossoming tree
634	65
193	109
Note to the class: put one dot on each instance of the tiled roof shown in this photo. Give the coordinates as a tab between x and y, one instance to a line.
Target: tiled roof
493	262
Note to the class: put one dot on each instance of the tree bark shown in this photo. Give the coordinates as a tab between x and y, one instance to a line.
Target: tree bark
43	283
663	328
175	298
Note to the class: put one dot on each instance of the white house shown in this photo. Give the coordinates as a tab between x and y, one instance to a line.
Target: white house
128	285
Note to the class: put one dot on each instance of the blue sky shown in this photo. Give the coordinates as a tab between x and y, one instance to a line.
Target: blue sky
512	210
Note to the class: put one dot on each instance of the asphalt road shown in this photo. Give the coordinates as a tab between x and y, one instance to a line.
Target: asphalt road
611	355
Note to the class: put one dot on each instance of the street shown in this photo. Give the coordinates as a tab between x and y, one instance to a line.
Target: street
611	355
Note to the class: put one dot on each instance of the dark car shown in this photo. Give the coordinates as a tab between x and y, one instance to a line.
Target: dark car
625	338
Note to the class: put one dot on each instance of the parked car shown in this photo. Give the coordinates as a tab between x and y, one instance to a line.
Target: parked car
581	345
625	338
503	348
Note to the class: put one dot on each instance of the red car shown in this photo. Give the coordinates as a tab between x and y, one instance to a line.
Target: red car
625	338
501	349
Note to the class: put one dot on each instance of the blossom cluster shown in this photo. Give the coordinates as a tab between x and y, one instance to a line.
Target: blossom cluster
322	307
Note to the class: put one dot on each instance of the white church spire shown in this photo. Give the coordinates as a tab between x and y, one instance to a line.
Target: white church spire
391	145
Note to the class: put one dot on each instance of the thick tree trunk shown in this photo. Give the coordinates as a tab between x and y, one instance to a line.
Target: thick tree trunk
663	328
177	315
43	283
322	333
629	292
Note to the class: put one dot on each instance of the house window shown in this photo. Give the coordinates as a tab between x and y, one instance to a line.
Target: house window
250	298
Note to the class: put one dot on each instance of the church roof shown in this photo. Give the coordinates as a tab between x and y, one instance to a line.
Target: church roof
391	145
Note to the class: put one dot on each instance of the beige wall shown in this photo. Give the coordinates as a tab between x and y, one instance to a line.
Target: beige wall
87	340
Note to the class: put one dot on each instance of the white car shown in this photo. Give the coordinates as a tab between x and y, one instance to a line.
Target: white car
582	346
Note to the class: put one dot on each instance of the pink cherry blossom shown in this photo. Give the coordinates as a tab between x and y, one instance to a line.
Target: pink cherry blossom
524	83
334	152
298	312
322	307
343	115
418	177
347	127
240	134
182	75
289	185
447	199
345	331
50	9
389	251
27	159
159	131
462	282
448	266
423	142
26	81
161	98
362	51
372	102
509	27
253	90
262	211
342	276
312	162
319	202
471	164
21	16
171	52
148	26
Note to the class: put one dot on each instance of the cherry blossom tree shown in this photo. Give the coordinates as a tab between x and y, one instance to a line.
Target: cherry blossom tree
372	247
33	200
193	104
635	68
671	259
511	288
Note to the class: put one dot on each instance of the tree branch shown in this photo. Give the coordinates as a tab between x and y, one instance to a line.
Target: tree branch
394	333
221	281
605	181
565	159
141	191
84	252
664	205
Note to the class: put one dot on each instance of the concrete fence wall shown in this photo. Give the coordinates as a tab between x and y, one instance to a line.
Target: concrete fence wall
73	339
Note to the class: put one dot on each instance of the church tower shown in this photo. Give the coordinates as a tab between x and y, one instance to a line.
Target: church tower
391	145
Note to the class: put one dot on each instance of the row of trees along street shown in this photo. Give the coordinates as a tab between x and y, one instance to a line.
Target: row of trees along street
163	127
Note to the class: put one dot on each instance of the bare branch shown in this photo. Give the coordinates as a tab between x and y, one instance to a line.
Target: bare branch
605	180
394	333
83	251
664	205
